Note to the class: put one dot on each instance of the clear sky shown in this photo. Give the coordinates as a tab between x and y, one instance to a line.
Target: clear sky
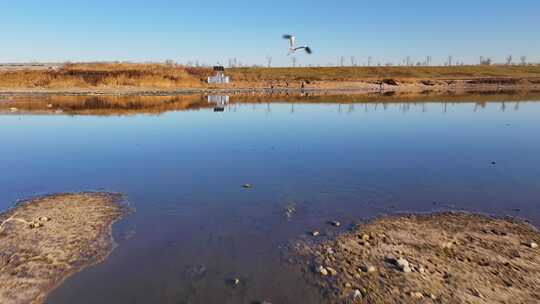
212	31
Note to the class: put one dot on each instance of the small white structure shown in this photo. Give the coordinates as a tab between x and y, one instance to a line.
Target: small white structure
220	77
219	102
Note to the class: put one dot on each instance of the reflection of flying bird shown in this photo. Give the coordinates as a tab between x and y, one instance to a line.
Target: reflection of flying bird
292	45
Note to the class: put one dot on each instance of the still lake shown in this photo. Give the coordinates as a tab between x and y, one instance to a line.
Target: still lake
195	228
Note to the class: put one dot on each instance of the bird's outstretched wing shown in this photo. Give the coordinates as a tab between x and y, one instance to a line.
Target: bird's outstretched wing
291	39
308	50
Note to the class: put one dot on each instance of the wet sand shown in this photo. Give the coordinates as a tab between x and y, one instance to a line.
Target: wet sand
47	239
440	258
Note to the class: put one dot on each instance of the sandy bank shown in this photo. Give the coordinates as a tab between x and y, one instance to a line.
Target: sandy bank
441	258
45	240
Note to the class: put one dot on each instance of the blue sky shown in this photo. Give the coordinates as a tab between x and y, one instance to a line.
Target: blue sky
213	31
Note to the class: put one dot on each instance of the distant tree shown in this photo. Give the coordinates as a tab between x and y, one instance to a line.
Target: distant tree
523	60
485	61
509	60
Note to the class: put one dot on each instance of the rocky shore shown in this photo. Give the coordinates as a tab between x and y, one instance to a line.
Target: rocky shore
46	239
439	258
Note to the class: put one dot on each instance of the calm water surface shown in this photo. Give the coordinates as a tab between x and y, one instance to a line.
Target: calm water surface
195	227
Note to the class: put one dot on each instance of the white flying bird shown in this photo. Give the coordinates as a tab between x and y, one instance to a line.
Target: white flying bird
293	48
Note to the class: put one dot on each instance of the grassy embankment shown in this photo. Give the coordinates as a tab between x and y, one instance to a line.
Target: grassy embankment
91	76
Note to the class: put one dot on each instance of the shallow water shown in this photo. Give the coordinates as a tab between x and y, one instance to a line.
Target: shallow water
195	227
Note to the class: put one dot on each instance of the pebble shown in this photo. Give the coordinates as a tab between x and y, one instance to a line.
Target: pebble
357	294
236	281
417	295
329	250
406	269
315	233
33	225
348	285
533	245
402	263
365	237
44	219
335	223
322	270
332	271
368	269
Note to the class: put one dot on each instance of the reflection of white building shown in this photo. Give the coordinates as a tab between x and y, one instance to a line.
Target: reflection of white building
219	100
220	77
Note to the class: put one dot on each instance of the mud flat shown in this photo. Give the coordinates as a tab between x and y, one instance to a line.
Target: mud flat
46	239
439	258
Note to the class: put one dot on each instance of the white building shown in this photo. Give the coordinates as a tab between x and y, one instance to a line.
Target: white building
220	77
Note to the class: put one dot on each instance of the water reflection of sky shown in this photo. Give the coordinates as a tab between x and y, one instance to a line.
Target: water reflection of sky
182	171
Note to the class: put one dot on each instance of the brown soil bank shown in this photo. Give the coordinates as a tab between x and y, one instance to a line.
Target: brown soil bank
156	79
441	258
45	240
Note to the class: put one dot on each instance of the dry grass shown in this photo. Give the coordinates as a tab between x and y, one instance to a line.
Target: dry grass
377	73
161	76
107	75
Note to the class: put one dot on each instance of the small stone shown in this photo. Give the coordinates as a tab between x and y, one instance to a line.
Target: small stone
348	285
236	281
421	269
335	223
331	271
368	268
357	294
315	233
417	295
44	219
433	297
322	270
402	263
329	250
33	225
406	269
533	245
365	237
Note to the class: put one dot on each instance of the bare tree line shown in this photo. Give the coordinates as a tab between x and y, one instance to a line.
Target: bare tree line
352	61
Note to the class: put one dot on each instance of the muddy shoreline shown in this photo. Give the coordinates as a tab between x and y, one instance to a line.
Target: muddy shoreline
437	258
46	239
297	87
